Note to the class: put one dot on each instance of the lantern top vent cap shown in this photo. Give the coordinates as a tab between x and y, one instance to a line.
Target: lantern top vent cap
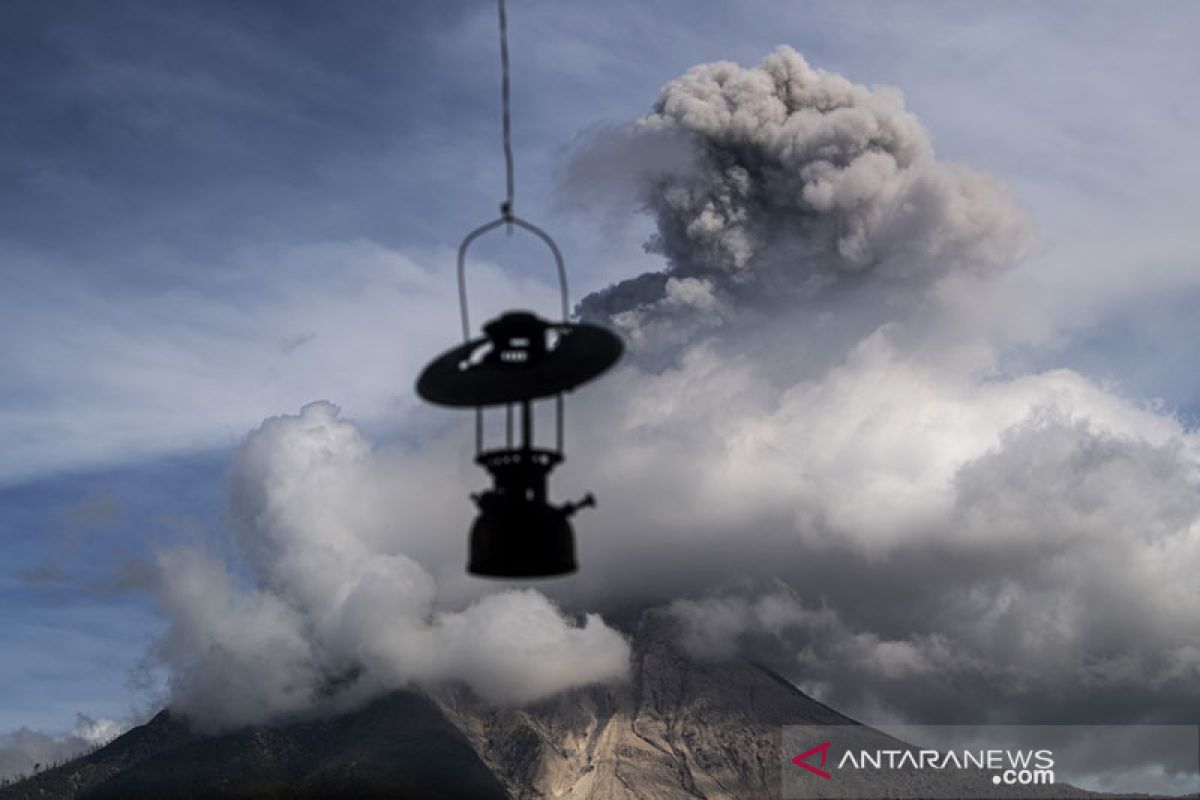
522	357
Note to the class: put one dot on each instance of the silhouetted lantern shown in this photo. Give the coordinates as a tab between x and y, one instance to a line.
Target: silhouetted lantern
520	359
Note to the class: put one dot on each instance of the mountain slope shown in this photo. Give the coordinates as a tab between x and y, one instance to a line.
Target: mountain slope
161	733
680	728
399	746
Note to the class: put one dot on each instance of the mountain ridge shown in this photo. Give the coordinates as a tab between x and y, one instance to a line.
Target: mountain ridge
679	728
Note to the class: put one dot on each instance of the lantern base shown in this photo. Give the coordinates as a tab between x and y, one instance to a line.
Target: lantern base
514	538
518	534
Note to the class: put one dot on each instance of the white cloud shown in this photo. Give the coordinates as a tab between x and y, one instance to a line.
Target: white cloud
336	605
23	751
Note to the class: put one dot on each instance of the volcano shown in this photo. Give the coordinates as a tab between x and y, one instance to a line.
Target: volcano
680	727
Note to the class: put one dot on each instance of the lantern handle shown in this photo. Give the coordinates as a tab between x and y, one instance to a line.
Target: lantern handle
507	219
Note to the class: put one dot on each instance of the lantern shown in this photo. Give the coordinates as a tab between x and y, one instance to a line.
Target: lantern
519	360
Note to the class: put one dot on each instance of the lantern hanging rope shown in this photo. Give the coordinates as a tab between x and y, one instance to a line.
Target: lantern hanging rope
520	359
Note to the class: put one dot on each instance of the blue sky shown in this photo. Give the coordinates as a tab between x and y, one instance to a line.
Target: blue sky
216	212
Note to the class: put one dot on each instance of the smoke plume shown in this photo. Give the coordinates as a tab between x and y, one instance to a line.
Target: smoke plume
792	182
820	452
827	417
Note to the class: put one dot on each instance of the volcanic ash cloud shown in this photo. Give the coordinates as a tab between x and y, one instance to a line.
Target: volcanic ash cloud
823	403
779	181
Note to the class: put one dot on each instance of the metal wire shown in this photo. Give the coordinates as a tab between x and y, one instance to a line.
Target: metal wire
482	229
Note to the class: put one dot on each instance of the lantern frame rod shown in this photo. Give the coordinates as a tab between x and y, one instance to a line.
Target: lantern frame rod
558	422
496	223
527	425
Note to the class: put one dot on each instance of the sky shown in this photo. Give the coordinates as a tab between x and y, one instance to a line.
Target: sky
217	213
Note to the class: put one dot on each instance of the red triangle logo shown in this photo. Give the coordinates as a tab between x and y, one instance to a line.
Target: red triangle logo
801	760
